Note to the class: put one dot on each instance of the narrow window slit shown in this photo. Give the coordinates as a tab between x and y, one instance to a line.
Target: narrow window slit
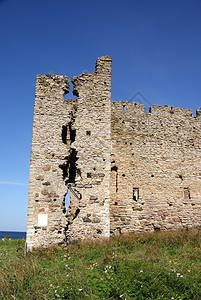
114	178
136	194
187	194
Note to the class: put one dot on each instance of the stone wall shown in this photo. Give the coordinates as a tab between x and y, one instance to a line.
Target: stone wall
156	168
126	170
93	146
71	146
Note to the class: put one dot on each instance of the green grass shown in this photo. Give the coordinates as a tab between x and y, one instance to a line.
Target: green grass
160	265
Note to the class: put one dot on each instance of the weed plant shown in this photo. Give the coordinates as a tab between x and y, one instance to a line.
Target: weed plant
159	265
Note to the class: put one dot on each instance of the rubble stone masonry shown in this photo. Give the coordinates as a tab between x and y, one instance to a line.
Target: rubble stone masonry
126	170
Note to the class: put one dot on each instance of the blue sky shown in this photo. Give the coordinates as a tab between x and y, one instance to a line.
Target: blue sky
155	46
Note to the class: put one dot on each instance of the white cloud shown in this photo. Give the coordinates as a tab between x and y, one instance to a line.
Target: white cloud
13	183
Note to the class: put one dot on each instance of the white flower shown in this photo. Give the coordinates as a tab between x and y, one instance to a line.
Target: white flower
121	296
181	276
141	271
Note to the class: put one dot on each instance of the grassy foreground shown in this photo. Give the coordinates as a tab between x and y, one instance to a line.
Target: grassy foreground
160	265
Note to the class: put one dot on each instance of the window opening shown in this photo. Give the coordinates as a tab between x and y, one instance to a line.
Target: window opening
114	176
187	194
135	194
88	175
70	94
88	132
67	198
123	109
68	134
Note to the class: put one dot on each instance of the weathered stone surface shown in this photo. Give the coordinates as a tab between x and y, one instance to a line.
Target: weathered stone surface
47	168
96	220
126	170
86	219
39	177
46	183
44	192
49	156
156	160
52	194
101	175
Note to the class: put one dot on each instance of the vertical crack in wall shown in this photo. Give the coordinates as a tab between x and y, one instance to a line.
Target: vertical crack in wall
70	171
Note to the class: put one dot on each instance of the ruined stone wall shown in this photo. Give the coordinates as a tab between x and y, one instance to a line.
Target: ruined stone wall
46	187
71	146
126	170
156	168
93	146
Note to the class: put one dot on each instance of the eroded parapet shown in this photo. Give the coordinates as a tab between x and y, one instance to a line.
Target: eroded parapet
129	107
198	113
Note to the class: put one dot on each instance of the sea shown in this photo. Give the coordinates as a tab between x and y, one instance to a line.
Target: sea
15	235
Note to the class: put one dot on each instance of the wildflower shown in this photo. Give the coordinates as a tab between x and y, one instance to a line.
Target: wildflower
121	296
79	290
141	271
178	274
181	276
90	268
189	270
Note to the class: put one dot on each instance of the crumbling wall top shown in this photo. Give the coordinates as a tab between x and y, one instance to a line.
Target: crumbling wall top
129	108
50	83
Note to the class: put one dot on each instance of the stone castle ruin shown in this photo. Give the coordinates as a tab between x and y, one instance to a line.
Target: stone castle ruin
126	170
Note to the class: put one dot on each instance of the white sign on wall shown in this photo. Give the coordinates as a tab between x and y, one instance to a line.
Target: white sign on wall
42	219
